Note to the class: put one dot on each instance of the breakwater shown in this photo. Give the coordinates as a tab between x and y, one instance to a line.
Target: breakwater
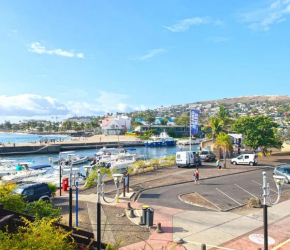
56	148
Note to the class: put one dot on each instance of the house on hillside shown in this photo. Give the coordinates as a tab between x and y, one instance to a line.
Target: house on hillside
116	125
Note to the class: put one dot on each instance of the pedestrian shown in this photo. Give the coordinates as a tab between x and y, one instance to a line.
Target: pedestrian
196	176
218	164
196	160
239	150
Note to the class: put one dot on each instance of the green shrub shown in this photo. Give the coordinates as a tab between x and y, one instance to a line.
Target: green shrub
11	200
93	177
52	188
42	209
40	234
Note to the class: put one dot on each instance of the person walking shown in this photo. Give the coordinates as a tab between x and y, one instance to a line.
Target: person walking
218	164
196	176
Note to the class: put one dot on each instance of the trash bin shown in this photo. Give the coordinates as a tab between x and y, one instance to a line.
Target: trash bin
64	184
149	217
144	213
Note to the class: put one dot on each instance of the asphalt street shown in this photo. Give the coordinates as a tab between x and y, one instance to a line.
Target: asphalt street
225	192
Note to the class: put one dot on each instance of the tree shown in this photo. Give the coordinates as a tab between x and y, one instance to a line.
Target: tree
215	127
223	114
150	119
259	131
164	121
224	141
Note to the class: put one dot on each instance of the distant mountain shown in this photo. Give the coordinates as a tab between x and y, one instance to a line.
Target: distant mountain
251	99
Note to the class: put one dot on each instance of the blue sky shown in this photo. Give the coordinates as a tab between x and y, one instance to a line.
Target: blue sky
92	57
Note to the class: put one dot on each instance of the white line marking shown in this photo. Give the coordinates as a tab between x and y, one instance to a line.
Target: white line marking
228	196
247	191
262	185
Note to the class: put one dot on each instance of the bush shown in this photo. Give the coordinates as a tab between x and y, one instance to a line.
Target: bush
40	234
11	200
42	209
52	188
93	177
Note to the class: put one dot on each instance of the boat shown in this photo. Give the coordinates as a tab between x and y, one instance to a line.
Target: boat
76	159
54	177
158	141
26	171
8	166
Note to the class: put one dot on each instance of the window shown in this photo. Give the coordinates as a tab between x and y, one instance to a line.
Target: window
178	157
41	189
240	157
247	157
28	192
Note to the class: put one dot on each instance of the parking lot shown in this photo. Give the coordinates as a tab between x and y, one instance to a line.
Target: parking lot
225	192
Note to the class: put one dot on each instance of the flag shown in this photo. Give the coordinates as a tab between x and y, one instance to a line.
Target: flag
194	121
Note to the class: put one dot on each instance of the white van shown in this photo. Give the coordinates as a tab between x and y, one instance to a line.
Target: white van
185	158
249	159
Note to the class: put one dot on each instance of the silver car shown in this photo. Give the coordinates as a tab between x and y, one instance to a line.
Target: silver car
283	171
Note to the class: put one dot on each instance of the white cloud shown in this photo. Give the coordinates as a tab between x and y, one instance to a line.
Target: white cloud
185	24
105	103
263	18
36	47
149	54
31	105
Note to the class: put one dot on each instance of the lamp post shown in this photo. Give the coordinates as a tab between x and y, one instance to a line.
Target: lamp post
279	180
101	193
70	190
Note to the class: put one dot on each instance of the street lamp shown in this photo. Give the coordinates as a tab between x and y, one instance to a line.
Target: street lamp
70	190
279	180
101	193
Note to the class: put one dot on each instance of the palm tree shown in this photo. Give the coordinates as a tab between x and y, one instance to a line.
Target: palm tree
216	127
224	141
224	116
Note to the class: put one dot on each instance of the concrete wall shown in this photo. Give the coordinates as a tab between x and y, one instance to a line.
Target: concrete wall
285	147
18	150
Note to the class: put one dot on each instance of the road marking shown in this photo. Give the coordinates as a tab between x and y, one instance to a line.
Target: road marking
247	191
281	244
197	243
228	196
262	185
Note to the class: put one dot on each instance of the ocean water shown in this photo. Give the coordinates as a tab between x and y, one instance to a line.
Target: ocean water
22	138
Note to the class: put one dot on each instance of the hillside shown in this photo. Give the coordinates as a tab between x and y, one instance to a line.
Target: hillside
273	99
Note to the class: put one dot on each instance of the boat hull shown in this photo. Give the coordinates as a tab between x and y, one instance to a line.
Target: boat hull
159	143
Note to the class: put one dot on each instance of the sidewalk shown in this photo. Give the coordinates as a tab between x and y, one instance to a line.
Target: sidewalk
230	230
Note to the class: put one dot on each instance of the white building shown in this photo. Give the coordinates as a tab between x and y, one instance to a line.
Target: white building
116	125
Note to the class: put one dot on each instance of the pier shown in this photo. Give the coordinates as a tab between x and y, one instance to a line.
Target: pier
57	148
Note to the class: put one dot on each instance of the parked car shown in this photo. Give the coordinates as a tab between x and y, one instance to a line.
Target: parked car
35	192
207	155
185	159
248	159
283	171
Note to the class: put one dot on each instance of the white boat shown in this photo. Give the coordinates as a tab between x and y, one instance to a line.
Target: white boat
7	167
26	172
114	157
162	140
54	177
76	159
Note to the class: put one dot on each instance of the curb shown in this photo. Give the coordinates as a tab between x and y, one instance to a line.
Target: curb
197	205
136	197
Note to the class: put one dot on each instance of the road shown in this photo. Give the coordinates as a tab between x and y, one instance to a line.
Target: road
225	192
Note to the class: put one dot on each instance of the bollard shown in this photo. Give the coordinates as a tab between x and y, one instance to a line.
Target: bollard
127	184
124	187
77	204
129	206
144	214
159	230
131	214
203	247
117	199
141	221
150	215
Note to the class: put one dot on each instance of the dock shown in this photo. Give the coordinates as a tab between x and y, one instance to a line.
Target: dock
57	148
